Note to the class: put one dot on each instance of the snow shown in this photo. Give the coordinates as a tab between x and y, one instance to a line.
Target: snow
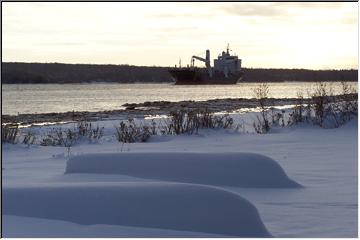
174	206
15	226
323	161
229	169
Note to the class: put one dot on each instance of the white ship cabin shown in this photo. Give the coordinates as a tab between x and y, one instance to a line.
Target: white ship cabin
227	64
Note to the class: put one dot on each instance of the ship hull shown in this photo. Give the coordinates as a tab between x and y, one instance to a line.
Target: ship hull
200	76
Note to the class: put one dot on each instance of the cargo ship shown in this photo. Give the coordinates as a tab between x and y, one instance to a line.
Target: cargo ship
226	70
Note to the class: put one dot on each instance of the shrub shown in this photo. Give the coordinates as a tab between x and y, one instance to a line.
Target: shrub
179	122
297	116
320	102
9	133
67	138
348	102
325	109
333	111
262	125
60	137
277	118
29	138
129	132
185	121
86	131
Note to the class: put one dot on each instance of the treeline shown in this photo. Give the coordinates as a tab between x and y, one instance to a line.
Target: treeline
300	75
81	73
84	73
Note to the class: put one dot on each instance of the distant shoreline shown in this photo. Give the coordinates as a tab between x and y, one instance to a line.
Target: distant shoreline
59	73
167	83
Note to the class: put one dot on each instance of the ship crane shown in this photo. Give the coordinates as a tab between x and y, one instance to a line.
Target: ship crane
205	60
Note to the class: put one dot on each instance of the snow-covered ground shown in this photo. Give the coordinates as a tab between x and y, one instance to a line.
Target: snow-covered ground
323	161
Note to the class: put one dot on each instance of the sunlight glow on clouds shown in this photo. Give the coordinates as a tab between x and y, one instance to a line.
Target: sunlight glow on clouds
281	35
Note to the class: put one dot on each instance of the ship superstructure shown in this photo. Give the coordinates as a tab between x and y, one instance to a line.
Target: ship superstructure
226	70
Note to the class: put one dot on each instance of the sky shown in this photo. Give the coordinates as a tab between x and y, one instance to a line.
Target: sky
264	35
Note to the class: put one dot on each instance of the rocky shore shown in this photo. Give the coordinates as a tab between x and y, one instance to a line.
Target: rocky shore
140	110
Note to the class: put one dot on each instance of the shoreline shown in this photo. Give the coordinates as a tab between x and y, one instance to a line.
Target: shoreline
173	82
141	110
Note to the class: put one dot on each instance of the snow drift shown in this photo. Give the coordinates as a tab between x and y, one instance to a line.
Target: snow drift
29	227
173	206
221	169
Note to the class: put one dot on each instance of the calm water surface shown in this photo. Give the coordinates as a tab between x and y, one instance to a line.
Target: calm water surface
44	98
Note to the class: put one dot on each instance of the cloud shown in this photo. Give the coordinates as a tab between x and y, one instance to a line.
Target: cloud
287	9
350	20
182	15
61	44
312	5
254	9
176	29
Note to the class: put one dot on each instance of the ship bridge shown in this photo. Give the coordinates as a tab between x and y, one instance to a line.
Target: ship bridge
227	64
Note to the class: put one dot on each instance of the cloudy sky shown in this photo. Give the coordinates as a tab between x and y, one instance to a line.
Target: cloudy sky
279	35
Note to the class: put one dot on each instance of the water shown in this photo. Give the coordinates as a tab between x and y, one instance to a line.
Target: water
45	98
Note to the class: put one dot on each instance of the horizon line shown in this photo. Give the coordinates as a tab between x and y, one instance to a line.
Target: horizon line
159	66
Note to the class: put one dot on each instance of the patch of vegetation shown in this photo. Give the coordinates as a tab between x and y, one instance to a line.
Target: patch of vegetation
327	110
190	121
86	131
322	108
9	133
29	138
130	132
262	125
179	122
